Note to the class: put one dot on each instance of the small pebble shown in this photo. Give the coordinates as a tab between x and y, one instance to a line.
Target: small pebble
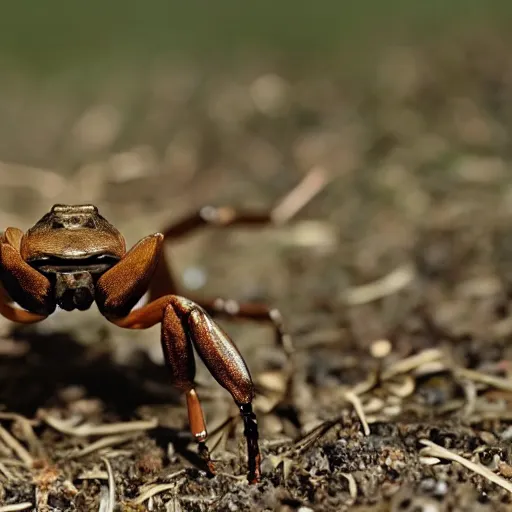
380	348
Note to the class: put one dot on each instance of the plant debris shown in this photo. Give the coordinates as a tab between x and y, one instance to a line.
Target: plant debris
390	259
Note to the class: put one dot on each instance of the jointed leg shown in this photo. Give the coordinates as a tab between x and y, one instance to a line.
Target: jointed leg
13	314
164	283
224	361
22	284
184	324
254	311
180	361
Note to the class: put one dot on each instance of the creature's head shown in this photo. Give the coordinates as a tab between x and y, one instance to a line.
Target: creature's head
72	246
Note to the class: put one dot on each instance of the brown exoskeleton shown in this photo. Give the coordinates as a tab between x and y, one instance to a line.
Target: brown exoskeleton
73	257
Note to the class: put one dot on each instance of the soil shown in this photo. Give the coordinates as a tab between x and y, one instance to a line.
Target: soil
395	283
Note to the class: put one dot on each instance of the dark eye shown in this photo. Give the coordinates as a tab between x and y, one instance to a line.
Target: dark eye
57	224
89	223
107	258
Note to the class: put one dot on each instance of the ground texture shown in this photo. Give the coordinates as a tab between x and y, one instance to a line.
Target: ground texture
395	282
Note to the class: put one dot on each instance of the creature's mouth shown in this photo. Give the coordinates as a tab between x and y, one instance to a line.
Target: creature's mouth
96	264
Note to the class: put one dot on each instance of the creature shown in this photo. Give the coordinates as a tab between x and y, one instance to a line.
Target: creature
73	257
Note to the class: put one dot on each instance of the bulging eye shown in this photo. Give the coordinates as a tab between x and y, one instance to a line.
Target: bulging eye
106	258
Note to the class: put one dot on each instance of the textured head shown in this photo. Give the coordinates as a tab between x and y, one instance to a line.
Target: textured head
75	232
73	245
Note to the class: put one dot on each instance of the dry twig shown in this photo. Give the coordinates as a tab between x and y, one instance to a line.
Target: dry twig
108	504
387	285
16	507
6	472
104	442
35	446
352	485
311	185
354	400
434	450
99	430
490	380
153	490
16	447
410	363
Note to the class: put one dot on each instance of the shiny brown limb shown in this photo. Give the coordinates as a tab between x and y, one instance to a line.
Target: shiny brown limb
17	315
252	311
121	287
164	282
185	324
21	283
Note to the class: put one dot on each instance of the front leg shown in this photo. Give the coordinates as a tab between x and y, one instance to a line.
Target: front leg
184	324
121	287
22	284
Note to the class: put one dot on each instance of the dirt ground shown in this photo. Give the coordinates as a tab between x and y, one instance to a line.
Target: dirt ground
395	283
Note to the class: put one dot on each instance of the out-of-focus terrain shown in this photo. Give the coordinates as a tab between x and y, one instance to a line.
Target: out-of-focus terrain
395	280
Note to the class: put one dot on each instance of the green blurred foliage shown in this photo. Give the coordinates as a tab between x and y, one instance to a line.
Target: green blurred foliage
57	34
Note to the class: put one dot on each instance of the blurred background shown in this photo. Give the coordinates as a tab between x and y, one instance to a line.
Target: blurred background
151	110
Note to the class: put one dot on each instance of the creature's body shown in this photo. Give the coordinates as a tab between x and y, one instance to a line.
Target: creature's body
73	257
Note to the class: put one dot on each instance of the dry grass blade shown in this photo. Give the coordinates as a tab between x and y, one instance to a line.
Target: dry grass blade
15	416
401	386
16	447
470	393
372	379
99	430
429	461
352	485
35	446
314	435
354	400
307	189
217	439
387	285
6	472
111	496
12	462
490	380
18	506
434	450
410	363
95	474
153	490
104	442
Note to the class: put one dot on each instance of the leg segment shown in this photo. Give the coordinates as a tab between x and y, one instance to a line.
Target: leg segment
164	283
121	287
21	283
226	364
13	314
184	324
253	311
179	358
